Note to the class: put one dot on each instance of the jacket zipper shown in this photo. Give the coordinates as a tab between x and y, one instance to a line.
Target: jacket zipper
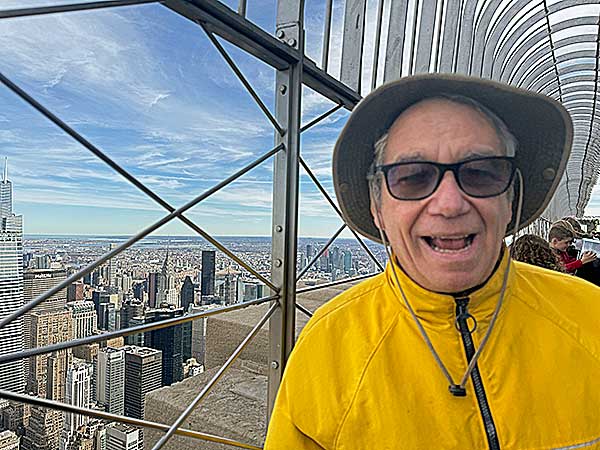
462	316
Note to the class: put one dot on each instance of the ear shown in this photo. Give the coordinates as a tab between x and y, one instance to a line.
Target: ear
375	212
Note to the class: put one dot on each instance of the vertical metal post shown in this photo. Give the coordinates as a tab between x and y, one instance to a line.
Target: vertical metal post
285	194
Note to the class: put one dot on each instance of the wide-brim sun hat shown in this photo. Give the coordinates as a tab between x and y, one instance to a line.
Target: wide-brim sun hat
540	124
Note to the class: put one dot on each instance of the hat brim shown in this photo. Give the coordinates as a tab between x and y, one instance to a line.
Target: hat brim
541	125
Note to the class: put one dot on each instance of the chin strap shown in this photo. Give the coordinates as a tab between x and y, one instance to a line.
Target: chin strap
457	389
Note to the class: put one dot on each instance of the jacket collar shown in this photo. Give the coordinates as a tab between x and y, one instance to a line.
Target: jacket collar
438	310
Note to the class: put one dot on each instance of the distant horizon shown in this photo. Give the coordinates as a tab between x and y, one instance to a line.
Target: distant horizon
169	236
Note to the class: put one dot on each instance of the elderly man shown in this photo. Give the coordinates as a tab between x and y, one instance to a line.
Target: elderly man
454	346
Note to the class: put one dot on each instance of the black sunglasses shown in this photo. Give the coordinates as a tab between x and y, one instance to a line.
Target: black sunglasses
478	177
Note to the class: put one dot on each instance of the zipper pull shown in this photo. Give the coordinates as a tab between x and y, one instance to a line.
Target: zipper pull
463	315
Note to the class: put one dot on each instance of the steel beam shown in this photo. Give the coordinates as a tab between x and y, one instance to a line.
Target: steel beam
353	43
288	92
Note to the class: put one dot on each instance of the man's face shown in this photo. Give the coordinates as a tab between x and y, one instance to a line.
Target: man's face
447	242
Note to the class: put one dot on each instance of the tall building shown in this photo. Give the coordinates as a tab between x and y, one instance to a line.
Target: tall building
154	282
12	374
35	283
199	335
208	273
143	373
169	341
110	380
168	292
348	262
15	416
131	308
43	432
111	273
47	372
85	320
38	281
75	292
187	293
122	437
78	393
9	440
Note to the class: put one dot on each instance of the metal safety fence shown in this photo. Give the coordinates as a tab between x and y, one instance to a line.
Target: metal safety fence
287	58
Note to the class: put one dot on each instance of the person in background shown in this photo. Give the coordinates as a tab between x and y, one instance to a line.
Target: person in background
591	271
561	236
534	250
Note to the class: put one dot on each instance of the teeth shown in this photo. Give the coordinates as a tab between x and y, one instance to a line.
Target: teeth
443	250
467	239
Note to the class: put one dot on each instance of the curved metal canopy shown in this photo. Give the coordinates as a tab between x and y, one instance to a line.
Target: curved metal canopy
551	47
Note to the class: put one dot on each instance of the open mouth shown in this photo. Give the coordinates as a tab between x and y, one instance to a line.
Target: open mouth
449	244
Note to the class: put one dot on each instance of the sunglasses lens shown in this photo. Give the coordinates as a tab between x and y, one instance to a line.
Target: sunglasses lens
485	177
412	181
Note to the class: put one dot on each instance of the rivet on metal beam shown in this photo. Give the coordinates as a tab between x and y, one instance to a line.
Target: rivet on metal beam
274	365
282	89
291	42
279	228
278	263
280	34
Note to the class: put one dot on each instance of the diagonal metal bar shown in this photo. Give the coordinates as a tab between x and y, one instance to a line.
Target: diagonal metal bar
216	378
22	310
15	356
243	80
121	171
335	283
321	117
41	10
53	404
320	252
304	310
337	210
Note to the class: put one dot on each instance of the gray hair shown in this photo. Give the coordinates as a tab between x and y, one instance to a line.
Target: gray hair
507	139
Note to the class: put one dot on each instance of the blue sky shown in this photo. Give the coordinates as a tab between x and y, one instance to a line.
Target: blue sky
147	87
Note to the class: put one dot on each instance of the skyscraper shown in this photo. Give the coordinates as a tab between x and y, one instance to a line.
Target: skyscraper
187	293
78	393
131	308
85	320
208	273
154	280
111	268
143	373
110	380
47	372
9	440
75	292
43	432
122	437
38	281
169	341
12	374
168	292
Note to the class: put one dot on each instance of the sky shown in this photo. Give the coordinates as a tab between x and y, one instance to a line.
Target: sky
147	87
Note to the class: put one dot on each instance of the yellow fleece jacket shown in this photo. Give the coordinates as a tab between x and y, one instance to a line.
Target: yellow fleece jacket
362	377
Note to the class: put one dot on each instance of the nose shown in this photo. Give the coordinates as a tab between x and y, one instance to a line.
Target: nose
448	200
